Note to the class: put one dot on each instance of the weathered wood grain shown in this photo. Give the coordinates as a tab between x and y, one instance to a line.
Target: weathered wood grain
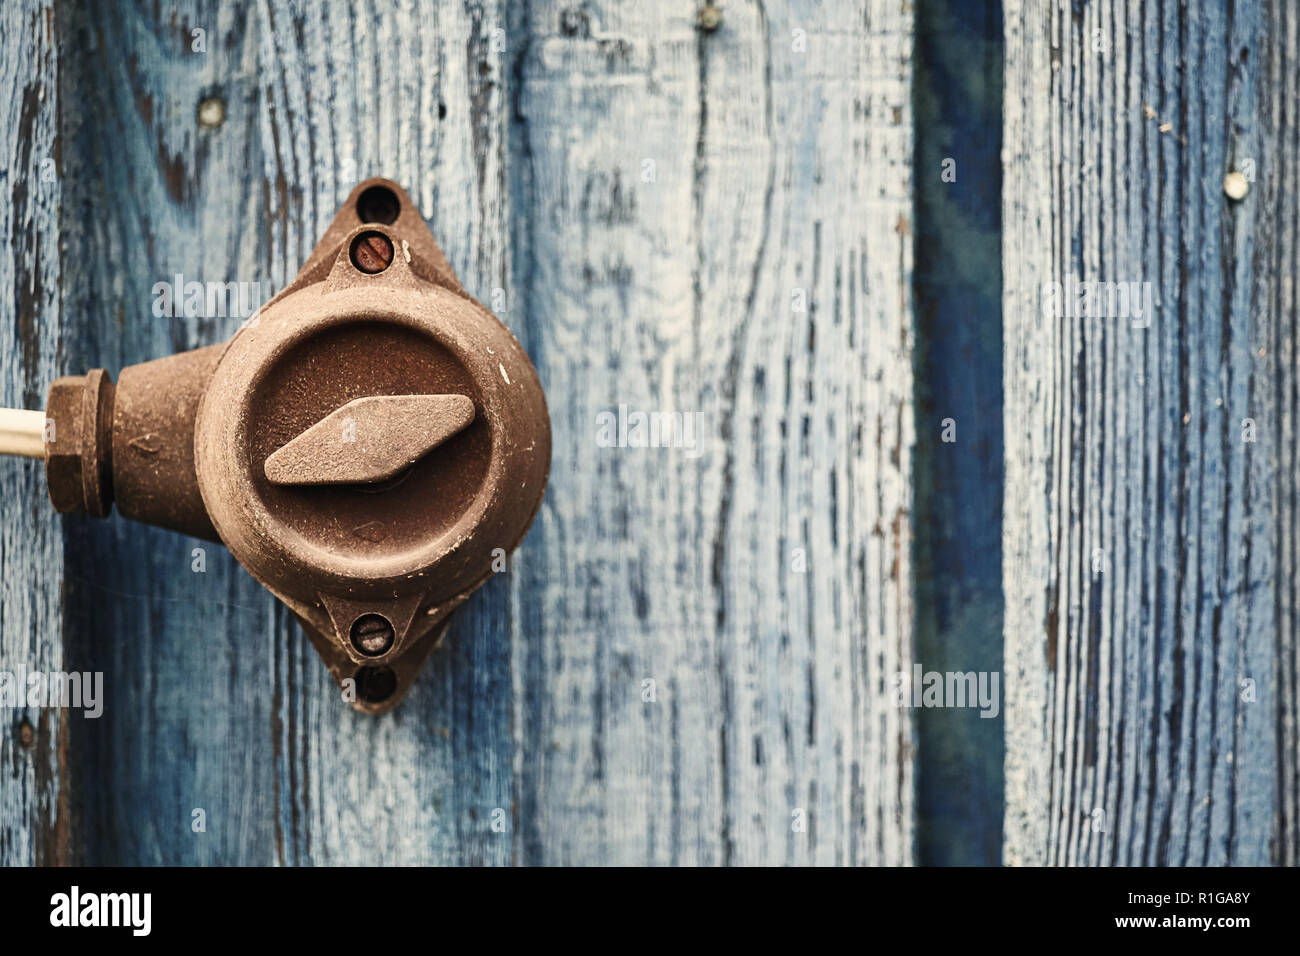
1149	556
33	784
679	194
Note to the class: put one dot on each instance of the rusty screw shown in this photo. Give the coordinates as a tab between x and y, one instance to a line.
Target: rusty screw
372	252
372	634
709	17
26	734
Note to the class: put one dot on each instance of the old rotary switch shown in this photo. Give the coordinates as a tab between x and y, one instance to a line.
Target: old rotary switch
365	445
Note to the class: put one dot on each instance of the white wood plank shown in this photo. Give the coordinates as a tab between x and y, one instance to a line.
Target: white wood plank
780	147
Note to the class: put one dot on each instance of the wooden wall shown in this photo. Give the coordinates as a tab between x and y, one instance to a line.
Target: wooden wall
689	661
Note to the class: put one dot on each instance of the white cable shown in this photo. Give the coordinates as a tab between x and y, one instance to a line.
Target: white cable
22	433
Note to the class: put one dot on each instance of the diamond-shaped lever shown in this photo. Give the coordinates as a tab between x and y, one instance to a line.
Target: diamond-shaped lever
369	439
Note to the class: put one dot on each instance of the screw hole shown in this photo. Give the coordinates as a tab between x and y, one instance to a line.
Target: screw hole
376	684
372	634
378	204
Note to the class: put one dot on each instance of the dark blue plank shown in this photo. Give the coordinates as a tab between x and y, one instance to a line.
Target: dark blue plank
957	98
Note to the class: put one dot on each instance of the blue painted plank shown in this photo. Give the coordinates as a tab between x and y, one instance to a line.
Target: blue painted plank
151	193
1149	559
34	789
